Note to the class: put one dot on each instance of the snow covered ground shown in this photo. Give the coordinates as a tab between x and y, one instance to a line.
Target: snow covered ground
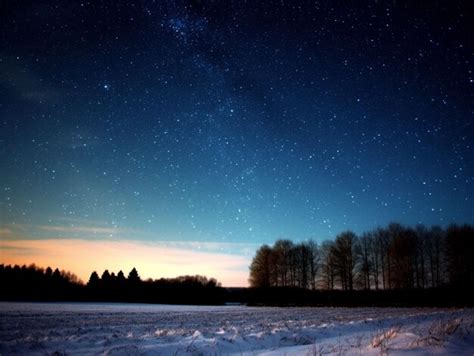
134	329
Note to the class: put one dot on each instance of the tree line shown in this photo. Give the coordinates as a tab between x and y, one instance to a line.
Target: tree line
195	289
391	266
33	283
36	283
388	258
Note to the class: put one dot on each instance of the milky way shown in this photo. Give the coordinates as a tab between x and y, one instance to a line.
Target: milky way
235	121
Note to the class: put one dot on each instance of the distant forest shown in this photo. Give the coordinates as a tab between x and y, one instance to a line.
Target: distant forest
32	283
391	266
394	257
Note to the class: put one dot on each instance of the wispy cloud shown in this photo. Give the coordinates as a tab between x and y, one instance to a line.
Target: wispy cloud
242	248
82	247
84	230
12	231
81	229
71	229
5	232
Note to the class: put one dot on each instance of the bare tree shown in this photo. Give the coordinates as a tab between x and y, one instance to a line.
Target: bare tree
328	269
402	252
434	247
260	268
314	262
366	249
459	247
391	257
285	265
345	254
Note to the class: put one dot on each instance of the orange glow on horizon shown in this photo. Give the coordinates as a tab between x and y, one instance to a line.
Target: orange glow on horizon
82	257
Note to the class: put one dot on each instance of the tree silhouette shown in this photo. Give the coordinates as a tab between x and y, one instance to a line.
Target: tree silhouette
133	276
260	268
120	276
394	257
397	265
328	269
94	280
345	252
460	255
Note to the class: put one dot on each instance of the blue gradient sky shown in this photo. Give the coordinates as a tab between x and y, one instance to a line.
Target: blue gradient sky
197	123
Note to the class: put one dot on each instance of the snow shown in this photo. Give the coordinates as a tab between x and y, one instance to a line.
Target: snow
141	329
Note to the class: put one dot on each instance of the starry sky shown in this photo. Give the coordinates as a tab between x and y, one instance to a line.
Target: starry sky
200	130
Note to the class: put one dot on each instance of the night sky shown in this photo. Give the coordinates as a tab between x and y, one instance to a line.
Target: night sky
214	127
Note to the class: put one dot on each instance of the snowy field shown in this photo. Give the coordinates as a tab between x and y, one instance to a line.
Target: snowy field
134	329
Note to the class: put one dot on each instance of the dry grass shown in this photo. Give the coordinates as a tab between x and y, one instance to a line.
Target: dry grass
439	331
